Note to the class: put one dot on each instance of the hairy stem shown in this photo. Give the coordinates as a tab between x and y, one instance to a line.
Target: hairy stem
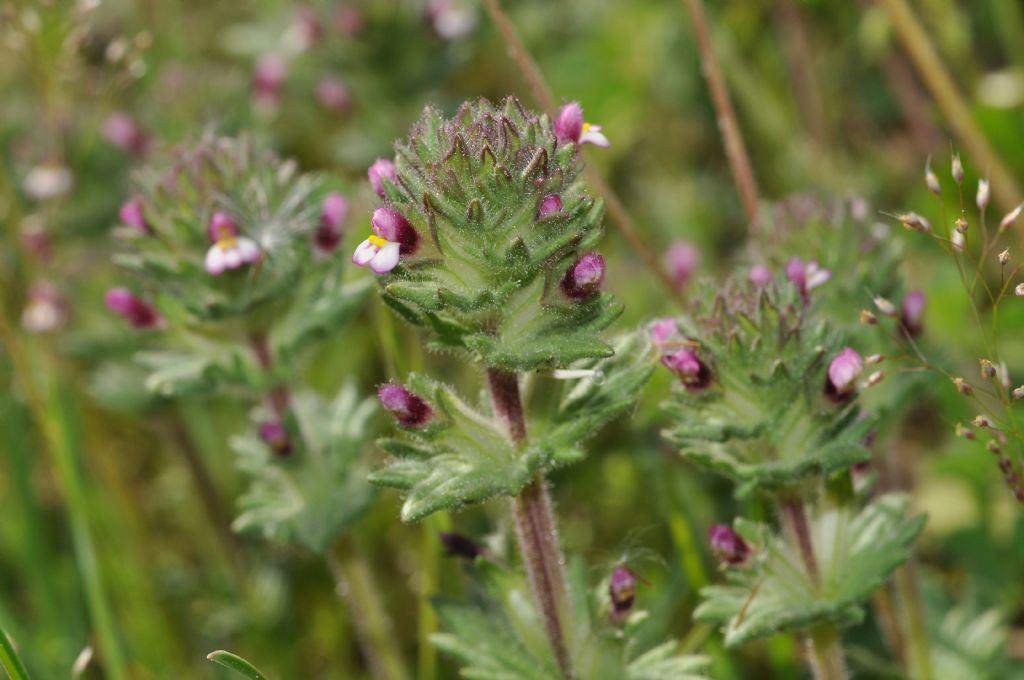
732	138
929	65
825	654
355	585
918	646
536	530
542	94
278	397
824	646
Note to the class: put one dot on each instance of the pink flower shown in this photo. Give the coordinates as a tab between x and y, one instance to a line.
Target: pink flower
549	205
332	217
136	311
622	591
843	371
131	214
570	127
912	312
382	169
681	259
806	276
268	76
410	409
584	277
393	236
274	435
451	19
380	254
728	546
229	250
125	133
692	371
760	275
663	331
333	95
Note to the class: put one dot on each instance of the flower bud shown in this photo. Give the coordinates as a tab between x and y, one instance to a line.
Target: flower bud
760	275
957	240
1018	290
961	225
981	421
622	591
681	259
381	169
569	123
1004	257
408	408
333	95
457	545
963	387
136	311
993	446
1018	392
584	277
988	369
885	307
274	435
451	19
268	77
875	378
957	169
125	133
983	193
843	371
915	222
692	371
965	432
391	225
728	546
332	216
1010	218
874	359
549	205
131	214
931	180
912	313
48	180
868	317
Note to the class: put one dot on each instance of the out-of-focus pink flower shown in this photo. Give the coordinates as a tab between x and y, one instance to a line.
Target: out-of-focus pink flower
268	77
760	275
333	95
124	132
691	369
136	311
381	169
728	546
681	259
45	309
806	276
132	215
912	312
332	219
451	19
621	592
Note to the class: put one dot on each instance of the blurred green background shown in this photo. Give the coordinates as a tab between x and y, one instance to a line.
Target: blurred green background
108	494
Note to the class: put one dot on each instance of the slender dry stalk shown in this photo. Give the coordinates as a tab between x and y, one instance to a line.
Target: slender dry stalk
732	138
929	65
542	95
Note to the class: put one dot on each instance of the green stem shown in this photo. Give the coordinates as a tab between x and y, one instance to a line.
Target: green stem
825	653
9	658
536	530
356	586
911	609
824	645
429	583
62	437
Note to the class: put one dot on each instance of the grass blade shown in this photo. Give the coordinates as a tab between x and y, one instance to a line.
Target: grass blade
9	658
235	663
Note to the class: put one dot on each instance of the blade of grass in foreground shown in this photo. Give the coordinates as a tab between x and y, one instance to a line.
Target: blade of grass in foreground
235	663
9	658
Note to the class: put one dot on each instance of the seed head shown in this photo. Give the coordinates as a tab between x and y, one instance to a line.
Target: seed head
957	169
963	387
1004	257
868	317
885	307
931	180
983	194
